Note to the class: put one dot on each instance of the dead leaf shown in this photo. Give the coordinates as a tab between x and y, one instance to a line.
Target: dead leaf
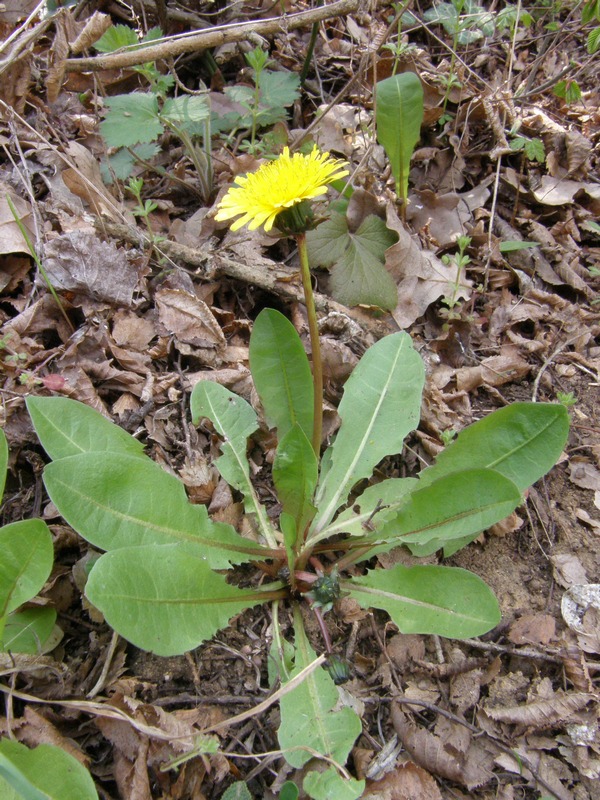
533	629
584	474
190	320
11	238
421	277
85	181
406	782
543	714
80	262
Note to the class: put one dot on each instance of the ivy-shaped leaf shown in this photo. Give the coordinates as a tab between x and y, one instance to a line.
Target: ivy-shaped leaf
131	119
356	259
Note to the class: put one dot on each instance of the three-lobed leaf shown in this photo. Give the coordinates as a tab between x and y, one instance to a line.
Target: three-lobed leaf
131	119
356	259
446	601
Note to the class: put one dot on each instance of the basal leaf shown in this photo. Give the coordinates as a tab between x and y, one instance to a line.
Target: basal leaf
66	428
307	716
295	473
44	773
521	441
328	242
373	508
453	507
3	461
380	406
25	563
115	501
165	598
281	373
399	113
28	631
131	119
121	164
234	419
446	601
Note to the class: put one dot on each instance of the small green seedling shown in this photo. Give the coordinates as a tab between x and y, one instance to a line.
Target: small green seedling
460	261
161	582
568	399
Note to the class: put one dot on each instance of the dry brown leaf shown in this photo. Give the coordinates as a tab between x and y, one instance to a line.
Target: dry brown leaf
93	29
585	475
406	782
80	262
542	714
11	238
426	748
190	320
85	181
560	191
421	277
495	371
533	629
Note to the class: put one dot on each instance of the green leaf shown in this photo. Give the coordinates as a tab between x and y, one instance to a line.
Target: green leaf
164	598
521	441
116	37
44	773
289	791
511	246
330	785
446	601
115	501
590	11
380	406
237	791
358	274
234	419
27	556
278	89
373	508
307	716
186	111
3	462
455	506
28	631
67	428
122	162
568	90
399	113
593	40
295	473
281	373
131	119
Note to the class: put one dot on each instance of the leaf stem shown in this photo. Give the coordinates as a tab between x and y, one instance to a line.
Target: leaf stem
315	345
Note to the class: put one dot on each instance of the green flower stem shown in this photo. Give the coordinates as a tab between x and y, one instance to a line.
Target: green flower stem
315	344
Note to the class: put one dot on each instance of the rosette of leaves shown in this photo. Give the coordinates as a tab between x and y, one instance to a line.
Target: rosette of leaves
161	581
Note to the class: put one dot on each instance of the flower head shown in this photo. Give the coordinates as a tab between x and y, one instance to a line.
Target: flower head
259	197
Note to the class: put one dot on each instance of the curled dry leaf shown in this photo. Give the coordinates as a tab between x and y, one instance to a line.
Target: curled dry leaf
543	714
406	782
190	320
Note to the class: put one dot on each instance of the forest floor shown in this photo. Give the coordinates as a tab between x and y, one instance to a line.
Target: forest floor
508	153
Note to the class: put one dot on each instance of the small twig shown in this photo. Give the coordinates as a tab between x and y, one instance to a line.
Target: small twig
212	37
99	685
546	364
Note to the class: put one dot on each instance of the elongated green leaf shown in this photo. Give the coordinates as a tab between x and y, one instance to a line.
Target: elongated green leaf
25	563
44	773
164	598
281	373
373	508
234	419
119	501
66	428
295	473
521	441
380	406
453	507
307	716
3	461
446	601
399	113
28	631
330	785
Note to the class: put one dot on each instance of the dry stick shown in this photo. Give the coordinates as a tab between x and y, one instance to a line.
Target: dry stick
213	37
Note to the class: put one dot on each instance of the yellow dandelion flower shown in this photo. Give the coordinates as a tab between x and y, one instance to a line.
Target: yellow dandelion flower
259	197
